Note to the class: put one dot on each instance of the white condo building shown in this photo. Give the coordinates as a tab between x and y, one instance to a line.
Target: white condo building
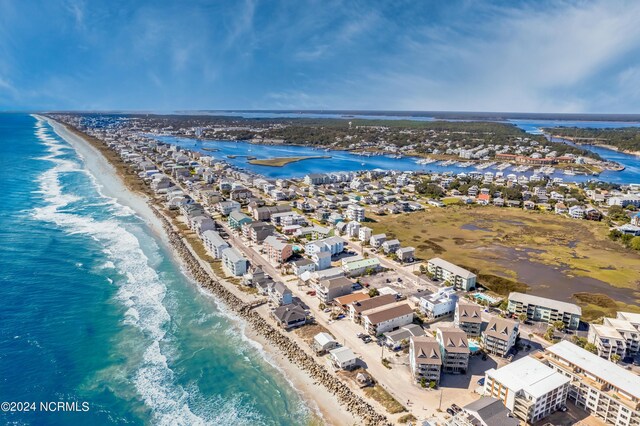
528	388
604	389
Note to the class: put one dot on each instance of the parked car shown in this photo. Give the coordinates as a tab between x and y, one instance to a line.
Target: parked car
481	381
564	408
450	412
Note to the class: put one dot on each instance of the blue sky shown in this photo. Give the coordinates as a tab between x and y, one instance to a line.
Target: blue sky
530	56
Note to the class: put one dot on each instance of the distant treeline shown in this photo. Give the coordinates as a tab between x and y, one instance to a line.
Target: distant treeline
625	139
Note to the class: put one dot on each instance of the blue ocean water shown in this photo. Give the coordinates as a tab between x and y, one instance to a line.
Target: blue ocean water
94	309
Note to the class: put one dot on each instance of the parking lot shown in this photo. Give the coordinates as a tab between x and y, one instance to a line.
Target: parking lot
392	280
573	416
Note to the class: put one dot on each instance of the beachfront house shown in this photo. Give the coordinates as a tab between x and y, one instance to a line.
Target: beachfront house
290	316
343	358
280	294
323	343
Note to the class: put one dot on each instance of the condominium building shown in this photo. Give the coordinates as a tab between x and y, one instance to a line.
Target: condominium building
608	340
456	276
425	359
468	317
278	250
214	243
454	350
387	318
500	336
542	309
234	262
355	212
327	290
628	330
633	318
602	388
357	308
530	389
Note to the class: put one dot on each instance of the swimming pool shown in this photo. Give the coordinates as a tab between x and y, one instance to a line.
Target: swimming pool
488	299
474	346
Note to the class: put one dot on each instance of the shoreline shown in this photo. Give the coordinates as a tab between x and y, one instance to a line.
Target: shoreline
106	176
599	145
325	404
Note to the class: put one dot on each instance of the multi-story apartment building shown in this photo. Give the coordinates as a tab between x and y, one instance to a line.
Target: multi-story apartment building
542	309
499	336
278	250
602	388
633	318
456	276
355	212
608	340
214	243
530	389
468	317
454	350
629	331
425	359
327	290
356	308
387	318
234	262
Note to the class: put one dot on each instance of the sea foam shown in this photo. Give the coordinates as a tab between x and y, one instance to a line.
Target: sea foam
140	289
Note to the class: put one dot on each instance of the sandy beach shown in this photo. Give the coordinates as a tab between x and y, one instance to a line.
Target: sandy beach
317	396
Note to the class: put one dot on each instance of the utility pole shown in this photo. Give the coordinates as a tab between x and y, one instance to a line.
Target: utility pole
440	404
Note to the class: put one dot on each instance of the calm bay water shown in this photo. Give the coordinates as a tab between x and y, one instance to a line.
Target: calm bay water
94	308
344	161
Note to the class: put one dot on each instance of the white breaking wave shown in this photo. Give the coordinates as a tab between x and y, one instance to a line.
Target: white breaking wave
141	290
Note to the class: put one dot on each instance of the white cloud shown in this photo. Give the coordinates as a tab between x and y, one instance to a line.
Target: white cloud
526	59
